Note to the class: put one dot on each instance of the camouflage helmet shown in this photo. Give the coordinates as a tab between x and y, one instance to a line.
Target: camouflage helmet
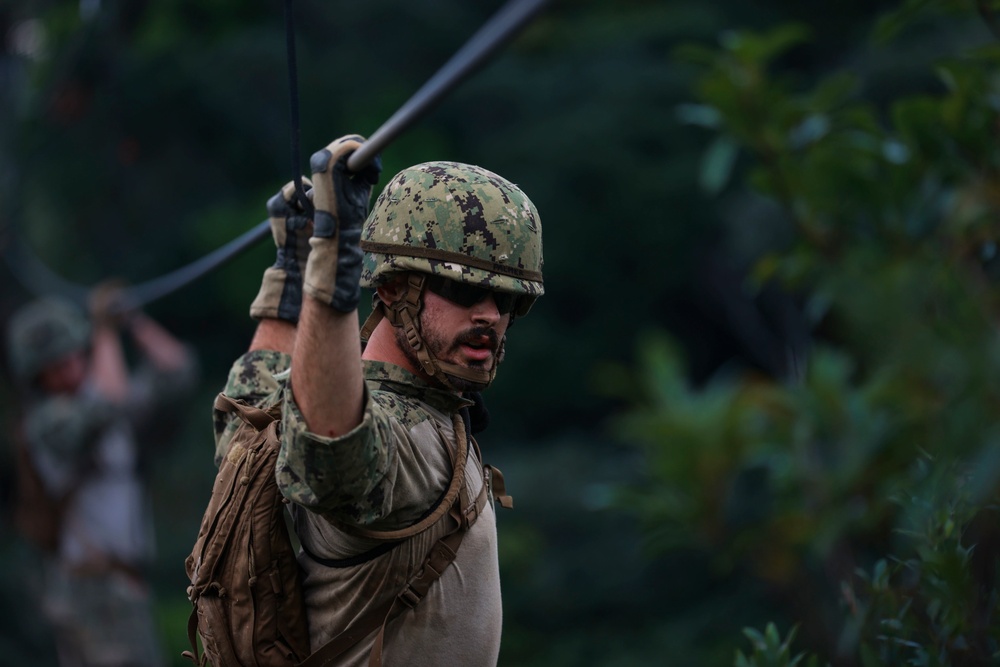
459	221
42	332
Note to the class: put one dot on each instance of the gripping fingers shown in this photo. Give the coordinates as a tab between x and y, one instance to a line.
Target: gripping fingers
285	211
280	294
324	192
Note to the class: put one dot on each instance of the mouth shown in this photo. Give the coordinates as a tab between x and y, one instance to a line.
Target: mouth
478	348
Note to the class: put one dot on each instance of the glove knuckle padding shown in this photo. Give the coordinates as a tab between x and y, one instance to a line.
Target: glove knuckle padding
341	201
347	287
280	292
323	195
324	224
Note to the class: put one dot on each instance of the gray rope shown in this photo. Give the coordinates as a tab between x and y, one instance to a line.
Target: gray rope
500	29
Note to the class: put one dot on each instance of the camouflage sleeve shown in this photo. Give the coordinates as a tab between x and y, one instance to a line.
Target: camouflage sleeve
252	379
349	477
60	432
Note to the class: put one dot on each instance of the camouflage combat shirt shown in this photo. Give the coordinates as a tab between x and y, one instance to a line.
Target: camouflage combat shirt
385	474
88	445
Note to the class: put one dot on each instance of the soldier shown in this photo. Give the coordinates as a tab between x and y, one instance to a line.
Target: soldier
372	419
78	435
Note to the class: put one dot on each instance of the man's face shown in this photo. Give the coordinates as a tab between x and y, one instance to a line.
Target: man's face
465	335
64	375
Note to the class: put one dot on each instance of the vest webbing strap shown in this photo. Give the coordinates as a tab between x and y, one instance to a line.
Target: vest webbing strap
438	559
453	492
256	417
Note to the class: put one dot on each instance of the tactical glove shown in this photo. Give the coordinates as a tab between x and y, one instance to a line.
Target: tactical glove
108	304
333	272
280	294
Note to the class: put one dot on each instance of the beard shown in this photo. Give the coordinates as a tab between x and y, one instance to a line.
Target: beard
444	350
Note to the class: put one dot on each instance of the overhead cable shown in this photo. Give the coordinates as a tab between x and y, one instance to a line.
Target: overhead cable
500	29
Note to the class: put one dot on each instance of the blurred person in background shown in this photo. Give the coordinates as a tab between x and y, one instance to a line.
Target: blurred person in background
82	495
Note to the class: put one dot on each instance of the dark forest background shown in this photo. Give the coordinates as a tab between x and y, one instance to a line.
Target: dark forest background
761	387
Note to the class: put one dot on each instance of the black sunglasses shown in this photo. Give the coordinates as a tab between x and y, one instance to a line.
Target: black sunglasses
466	295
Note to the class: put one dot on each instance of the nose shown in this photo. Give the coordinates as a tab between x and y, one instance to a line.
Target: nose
486	311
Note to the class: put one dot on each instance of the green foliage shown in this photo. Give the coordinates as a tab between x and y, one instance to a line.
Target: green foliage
769	650
913	11
927	604
880	453
148	134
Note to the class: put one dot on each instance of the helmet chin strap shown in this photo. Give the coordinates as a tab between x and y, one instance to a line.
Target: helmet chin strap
404	313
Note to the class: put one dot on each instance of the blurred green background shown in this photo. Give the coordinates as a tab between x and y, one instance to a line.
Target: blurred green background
761	387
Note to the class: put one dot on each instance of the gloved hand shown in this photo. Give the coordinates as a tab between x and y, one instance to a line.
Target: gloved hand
108	304
341	197
280	295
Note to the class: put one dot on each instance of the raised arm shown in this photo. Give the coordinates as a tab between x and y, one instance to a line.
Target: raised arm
326	376
108	367
278	303
160	346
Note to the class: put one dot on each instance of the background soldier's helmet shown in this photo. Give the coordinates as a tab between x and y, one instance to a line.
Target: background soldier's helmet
42	332
459	221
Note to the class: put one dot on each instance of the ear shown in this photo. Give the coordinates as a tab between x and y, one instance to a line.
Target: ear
391	291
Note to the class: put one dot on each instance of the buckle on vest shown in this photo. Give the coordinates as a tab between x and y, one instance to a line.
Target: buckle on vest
409	596
470	515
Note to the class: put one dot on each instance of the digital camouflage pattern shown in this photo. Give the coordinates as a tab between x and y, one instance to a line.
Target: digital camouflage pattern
107	617
84	451
352	477
459	221
63	429
42	332
251	379
361	460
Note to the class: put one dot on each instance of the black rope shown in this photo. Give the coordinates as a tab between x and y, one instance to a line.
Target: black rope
151	290
502	27
293	98
37	278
